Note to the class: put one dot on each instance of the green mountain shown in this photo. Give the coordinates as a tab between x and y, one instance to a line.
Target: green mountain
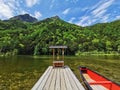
18	37
24	18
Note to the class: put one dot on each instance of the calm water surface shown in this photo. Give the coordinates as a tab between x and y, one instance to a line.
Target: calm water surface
21	72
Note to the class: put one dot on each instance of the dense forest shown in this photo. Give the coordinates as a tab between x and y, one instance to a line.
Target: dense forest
18	37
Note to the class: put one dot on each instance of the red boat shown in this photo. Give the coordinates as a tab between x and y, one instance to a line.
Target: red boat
95	81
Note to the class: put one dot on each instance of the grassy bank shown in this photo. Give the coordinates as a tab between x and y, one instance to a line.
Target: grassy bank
96	53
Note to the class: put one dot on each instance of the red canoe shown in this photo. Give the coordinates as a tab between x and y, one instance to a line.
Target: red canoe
95	81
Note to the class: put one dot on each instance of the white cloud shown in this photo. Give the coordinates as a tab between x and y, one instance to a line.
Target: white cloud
84	21
97	13
23	12
9	8
6	11
37	14
72	19
30	3
101	9
100	14
75	1
66	11
84	9
117	17
72	1
52	4
105	18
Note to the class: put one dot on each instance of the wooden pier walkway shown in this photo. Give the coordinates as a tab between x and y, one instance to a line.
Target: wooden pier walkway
58	79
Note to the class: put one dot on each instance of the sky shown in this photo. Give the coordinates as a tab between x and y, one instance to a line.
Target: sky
79	12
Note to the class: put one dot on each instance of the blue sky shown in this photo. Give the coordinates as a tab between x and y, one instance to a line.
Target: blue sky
80	12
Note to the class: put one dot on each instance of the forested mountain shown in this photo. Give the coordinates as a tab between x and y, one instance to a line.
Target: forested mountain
24	18
18	37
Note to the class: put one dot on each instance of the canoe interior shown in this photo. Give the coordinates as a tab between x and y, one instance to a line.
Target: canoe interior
95	81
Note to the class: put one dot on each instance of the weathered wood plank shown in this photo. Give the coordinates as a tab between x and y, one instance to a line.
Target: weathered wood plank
71	81
62	78
47	85
52	85
57	87
35	87
76	80
68	85
58	79
45	79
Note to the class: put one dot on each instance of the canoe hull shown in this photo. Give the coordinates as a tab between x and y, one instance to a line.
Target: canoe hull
92	78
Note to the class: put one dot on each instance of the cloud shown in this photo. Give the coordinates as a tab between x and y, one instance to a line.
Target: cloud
23	12
9	8
97	13
100	14
105	18
52	4
117	17
75	1
6	10
66	11
37	14
72	19
83	20
72	1
102	8
31	3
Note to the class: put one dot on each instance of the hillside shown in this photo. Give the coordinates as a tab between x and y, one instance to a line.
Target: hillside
17	37
24	18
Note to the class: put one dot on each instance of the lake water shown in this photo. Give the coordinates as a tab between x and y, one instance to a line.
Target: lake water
21	72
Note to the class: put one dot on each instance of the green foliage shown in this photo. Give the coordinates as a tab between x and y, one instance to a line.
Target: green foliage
35	38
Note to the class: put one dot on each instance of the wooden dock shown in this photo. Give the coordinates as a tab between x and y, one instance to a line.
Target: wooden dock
58	79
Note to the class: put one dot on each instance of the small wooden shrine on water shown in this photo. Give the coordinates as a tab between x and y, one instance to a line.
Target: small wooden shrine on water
58	60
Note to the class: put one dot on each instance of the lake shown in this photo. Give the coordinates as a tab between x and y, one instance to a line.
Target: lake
21	72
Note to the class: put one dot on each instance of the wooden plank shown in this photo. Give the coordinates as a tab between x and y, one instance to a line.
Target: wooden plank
35	87
68	85
58	79
44	80
72	82
47	85
62	78
57	86
52	85
76	80
58	63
